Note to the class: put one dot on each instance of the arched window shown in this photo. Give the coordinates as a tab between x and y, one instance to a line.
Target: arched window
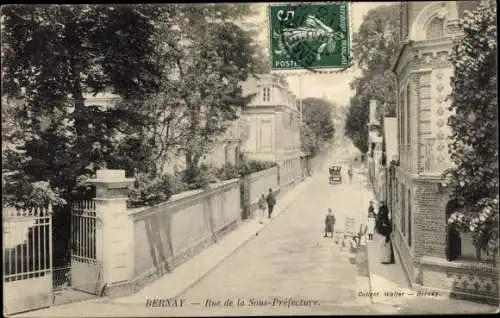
454	242
237	156
226	154
459	244
435	29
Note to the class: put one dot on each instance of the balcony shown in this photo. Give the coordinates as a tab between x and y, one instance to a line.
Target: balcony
430	157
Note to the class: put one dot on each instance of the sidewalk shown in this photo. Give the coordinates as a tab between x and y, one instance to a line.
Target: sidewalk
194	269
386	278
392	294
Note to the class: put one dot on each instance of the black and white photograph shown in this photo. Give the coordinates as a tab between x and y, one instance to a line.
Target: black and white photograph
250	159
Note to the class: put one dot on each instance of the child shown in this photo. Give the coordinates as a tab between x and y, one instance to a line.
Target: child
329	223
371	220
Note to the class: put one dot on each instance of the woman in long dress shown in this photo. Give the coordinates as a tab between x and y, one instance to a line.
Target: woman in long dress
384	228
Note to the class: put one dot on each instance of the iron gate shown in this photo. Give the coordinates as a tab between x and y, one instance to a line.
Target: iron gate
27	249
86	252
79	277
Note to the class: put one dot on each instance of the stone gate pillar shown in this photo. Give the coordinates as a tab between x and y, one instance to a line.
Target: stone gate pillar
116	243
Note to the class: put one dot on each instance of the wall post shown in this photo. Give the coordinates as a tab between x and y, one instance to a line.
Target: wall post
116	244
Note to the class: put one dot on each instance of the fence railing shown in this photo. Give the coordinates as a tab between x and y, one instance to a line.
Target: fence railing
84	234
27	243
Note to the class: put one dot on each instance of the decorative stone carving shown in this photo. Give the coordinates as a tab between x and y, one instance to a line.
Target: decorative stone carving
440	111
440	122
439	74
443	56
427	58
440	147
440	87
475	284
441	135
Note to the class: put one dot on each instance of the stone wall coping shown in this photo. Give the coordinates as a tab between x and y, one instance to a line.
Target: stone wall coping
459	264
123	198
181	199
112	184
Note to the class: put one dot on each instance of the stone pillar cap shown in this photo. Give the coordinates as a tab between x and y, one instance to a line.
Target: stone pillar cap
113	178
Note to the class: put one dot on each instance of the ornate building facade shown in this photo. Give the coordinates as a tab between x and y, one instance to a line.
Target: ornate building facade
274	125
419	202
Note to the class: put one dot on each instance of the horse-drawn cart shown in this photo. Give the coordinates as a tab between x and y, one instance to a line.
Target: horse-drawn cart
335	175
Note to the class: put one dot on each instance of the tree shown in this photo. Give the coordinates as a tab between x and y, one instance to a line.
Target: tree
375	46
52	56
205	59
318	128
474	125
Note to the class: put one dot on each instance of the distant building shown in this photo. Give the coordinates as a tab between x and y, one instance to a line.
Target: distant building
420	205
227	149
274	125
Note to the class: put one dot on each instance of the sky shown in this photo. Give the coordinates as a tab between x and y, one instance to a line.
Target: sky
334	86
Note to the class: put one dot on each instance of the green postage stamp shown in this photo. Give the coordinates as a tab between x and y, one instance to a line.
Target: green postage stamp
309	36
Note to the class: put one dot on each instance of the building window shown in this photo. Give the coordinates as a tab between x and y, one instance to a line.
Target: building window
226	154
402	112
403	210
459	244
409	218
435	29
408	114
266	94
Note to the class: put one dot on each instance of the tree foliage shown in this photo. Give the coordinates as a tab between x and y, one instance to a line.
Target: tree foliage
375	46
474	125
176	70
318	128
52	56
202	56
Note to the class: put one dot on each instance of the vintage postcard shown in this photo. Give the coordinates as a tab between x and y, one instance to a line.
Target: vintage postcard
250	159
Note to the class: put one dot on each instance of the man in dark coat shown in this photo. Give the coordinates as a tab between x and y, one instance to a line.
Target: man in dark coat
271	202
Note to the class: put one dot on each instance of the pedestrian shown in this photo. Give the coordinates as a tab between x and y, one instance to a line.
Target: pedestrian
329	223
349	172
384	228
262	208
271	202
371	221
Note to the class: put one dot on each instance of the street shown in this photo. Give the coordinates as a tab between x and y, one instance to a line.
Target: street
287	268
290	258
